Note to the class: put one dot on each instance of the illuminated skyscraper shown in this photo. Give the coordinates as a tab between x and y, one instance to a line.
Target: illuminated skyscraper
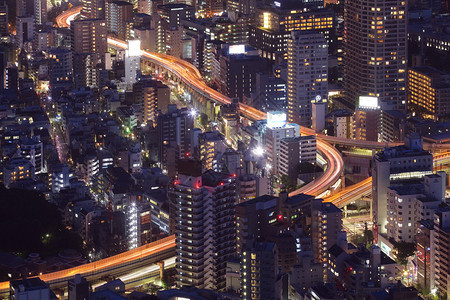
205	229
307	74
375	51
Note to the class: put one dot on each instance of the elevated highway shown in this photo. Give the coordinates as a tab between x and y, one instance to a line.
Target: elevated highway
364	188
117	265
191	77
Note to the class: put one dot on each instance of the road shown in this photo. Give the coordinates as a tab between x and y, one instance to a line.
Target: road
191	75
364	188
113	262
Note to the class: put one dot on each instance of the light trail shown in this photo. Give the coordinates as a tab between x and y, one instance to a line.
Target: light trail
153	248
364	187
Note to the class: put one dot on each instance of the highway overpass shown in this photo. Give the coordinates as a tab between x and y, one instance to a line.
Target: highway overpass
116	266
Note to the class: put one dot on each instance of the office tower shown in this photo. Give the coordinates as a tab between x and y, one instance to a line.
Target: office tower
174	128
93	9
375	52
174	13
274	24
293	152
238	70
211	145
40	12
4	30
395	166
60	67
205	229
119	15
270	93
429	91
89	37
25	30
277	129
78	288
259	270
151	96
133	62
440	256
307	74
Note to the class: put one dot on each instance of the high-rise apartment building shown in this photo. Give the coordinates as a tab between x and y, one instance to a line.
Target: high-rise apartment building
205	225
93	9
174	130
293	152
274	25
60	67
393	166
211	145
151	96
375	51
429	91
259	267
40	12
89	45
119	15
267	218
89	37
411	203
307	74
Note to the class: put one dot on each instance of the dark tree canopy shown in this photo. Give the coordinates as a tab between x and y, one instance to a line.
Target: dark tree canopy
29	223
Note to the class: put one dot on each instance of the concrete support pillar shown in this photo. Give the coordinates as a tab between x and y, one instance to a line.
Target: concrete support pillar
161	269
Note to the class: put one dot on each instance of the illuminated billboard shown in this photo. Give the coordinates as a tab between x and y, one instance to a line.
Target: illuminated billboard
236	49
134	48
368	102
276	119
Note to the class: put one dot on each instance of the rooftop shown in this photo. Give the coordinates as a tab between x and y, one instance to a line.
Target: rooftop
28	284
